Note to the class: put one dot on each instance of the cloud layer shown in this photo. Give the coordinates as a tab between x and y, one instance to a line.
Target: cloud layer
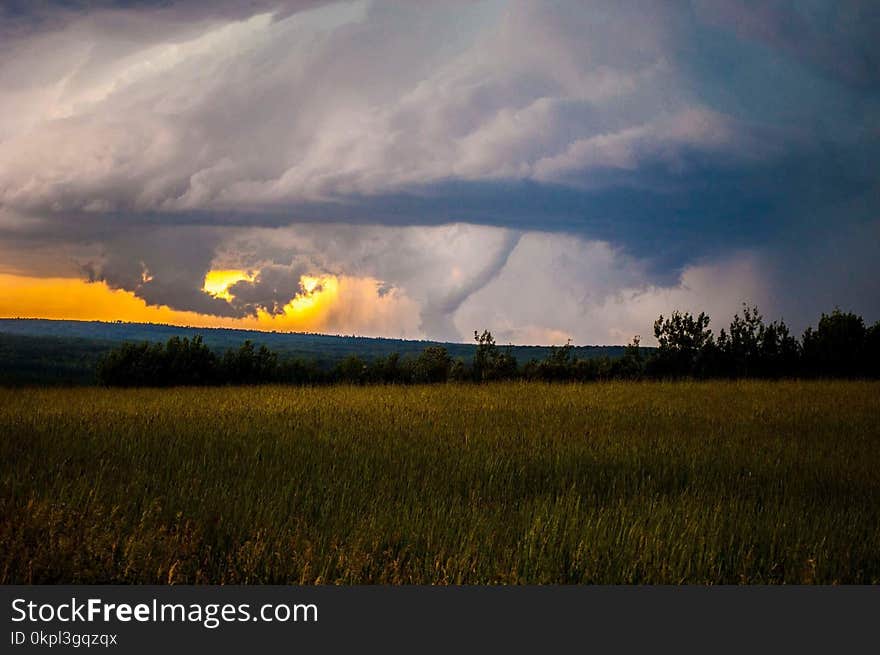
546	168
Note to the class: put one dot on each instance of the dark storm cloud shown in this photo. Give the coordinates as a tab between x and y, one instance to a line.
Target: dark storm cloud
273	287
837	38
165	266
678	133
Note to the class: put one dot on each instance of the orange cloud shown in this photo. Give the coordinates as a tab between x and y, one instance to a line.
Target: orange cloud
329	304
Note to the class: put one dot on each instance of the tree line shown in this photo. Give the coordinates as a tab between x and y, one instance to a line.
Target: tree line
841	346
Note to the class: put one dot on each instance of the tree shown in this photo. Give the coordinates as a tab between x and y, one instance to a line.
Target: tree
740	349
631	366
780	351
249	365
298	371
132	365
432	365
459	371
836	347
483	355
490	362
177	362
189	362
352	370
685	343
388	370
872	350
559	363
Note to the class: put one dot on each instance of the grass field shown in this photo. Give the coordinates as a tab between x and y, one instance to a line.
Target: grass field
740	482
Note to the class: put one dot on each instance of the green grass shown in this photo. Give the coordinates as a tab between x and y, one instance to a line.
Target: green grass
741	482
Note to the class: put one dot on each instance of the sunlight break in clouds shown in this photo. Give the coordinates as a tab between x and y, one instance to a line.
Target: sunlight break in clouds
217	283
344	306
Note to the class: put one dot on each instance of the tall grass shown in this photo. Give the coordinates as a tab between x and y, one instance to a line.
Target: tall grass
712	482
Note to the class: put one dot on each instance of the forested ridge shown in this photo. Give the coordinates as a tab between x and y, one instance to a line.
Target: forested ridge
840	346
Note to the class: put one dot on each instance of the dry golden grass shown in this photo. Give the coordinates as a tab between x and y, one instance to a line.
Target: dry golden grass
715	482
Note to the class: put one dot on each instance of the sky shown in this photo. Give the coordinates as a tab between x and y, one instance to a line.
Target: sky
547	170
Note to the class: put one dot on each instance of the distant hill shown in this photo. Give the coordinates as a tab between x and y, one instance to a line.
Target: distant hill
66	352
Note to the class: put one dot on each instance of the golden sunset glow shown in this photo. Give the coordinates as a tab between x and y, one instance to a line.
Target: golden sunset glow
217	283
318	291
73	298
327	302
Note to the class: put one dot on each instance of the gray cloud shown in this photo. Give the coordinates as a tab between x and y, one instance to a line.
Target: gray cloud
439	267
151	142
839	38
273	287
267	113
166	266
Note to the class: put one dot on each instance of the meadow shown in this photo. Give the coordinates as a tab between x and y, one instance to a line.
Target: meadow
522	482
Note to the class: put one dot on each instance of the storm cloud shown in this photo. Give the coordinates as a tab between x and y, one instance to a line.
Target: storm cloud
547	168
